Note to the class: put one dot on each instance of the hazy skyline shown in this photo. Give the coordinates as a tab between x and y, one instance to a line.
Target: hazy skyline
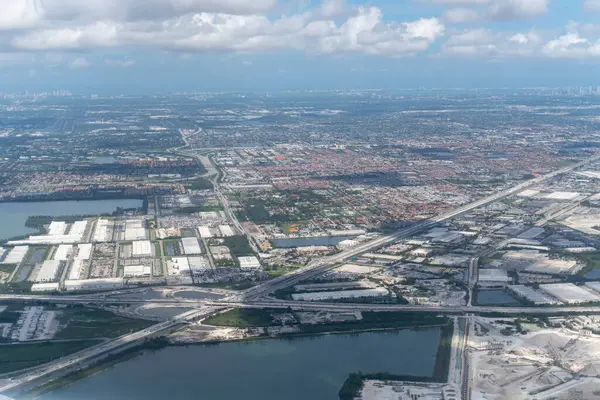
165	45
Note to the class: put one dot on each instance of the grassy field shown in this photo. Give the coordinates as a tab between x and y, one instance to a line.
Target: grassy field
85	323
20	356
241	318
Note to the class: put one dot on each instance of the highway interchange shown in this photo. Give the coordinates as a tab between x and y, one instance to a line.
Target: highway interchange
255	297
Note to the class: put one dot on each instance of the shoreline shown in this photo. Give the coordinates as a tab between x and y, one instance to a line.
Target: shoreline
164	342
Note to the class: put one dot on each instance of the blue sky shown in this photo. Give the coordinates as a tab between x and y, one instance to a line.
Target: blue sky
264	45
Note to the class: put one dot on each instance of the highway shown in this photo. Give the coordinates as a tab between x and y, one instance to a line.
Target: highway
325	263
85	357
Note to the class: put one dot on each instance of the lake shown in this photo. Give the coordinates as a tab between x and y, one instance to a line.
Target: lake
310	241
14	215
274	369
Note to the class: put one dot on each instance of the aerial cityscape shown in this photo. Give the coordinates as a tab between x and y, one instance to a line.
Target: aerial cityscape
280	199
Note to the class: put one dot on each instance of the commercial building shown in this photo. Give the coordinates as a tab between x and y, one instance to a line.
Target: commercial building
249	262
141	248
191	245
570	293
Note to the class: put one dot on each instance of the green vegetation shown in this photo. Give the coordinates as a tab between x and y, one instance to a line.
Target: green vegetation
275	271
21	356
242	318
199	184
354	383
7	268
157	249
238	245
352	387
87	323
591	260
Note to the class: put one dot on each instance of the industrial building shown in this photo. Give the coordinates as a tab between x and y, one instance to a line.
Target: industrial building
57	228
570	293
63	252
490	277
135	230
198	264
137	271
77	270
89	285
595	286
226	230
343	294
530	294
205	232
191	245
249	262
141	248
103	231
3	252
16	255
178	266
74	235
47	271
45	287
84	251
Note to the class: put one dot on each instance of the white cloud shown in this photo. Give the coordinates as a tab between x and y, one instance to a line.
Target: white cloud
80	63
364	31
484	43
458	2
460	16
592	5
516	9
120	63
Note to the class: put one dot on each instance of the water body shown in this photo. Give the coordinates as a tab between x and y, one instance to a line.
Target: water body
310	241
593	274
14	215
195	294
495	297
275	369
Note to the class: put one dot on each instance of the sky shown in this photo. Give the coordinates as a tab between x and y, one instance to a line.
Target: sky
132	46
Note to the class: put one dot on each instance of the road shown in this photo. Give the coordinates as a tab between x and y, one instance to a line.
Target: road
91	355
325	263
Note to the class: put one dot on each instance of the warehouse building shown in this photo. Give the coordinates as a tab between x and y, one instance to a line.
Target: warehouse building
137	271
249	262
178	266
198	264
490	277
141	248
90	285
191	245
48	271
570	293
16	255
77	271
63	252
226	230
532	295
45	287
134	230
84	251
103	231
57	228
205	232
